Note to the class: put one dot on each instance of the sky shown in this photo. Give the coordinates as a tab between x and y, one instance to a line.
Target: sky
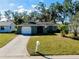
25	4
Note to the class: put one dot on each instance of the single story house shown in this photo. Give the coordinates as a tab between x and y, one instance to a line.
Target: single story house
7	26
37	28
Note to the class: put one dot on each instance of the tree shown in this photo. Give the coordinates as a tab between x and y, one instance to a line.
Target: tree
0	15
53	13
41	7
20	18
60	12
64	29
47	15
8	14
68	9
44	13
17	18
76	6
34	15
24	16
75	23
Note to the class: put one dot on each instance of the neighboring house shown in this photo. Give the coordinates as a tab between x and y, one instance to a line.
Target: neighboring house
71	28
37	28
7	26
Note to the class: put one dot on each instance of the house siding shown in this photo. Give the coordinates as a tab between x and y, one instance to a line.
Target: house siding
34	29
45	29
8	28
12	27
49	29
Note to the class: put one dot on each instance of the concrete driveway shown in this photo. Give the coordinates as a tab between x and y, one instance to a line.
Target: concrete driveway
16	48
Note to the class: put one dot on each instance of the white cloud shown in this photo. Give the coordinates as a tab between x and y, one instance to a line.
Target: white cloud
29	11
20	7
46	7
12	4
21	10
33	6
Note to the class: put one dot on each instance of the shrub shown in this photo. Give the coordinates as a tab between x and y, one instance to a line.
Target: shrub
63	29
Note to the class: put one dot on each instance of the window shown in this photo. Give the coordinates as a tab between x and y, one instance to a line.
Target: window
2	28
10	27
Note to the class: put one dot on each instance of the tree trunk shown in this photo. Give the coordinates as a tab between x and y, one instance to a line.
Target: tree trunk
63	33
75	33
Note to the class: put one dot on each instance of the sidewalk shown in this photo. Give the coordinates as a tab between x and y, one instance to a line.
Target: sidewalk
39	57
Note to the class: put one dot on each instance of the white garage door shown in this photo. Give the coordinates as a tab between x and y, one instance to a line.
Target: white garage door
26	30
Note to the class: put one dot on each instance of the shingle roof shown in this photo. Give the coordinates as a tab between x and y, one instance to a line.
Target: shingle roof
8	23
38	24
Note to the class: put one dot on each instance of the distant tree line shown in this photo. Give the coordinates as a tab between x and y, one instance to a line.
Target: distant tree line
55	12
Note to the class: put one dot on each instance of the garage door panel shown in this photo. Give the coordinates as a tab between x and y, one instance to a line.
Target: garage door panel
26	30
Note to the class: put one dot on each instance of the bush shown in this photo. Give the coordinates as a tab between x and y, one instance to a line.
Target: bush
63	29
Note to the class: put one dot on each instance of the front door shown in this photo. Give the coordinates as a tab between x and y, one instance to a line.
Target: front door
40	29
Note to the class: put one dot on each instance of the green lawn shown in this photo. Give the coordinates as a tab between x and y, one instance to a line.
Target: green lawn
54	45
5	38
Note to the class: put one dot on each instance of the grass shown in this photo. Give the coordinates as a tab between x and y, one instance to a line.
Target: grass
54	45
5	38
